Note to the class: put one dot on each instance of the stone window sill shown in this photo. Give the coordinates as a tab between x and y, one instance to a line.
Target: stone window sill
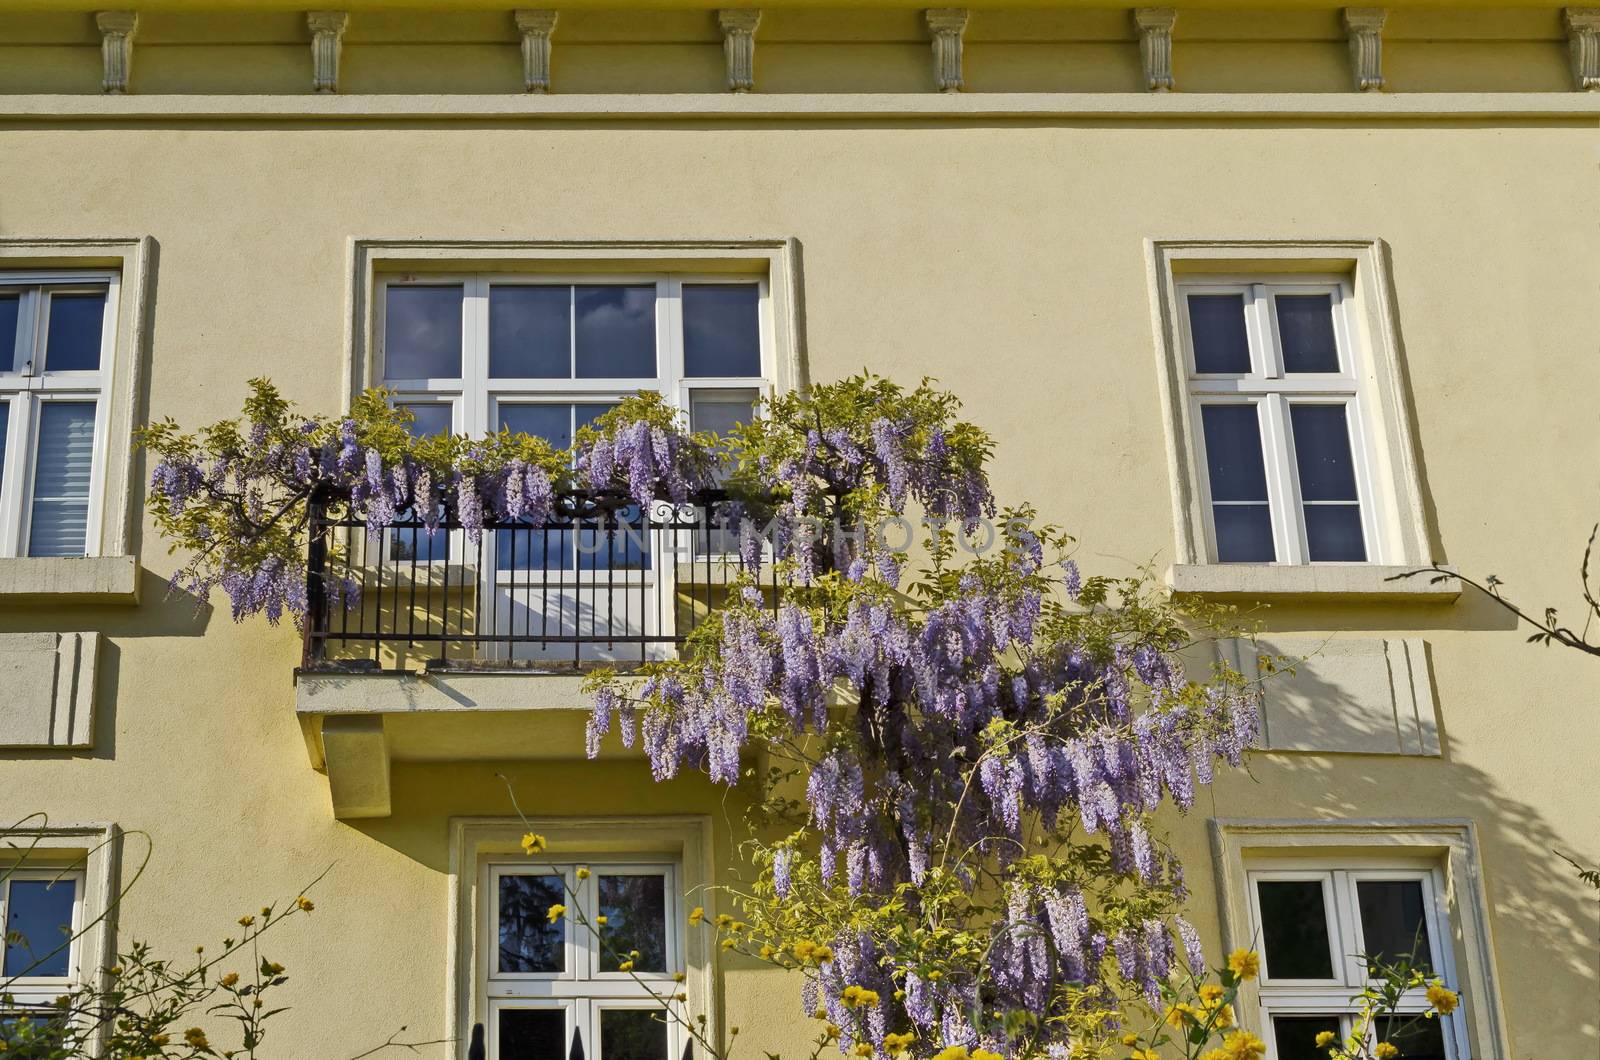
1271	581
75	580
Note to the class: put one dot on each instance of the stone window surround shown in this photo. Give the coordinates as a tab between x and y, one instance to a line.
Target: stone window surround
110	572
685	839
1378	330
95	850
1449	843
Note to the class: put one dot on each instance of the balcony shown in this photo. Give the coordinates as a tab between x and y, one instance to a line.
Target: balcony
423	644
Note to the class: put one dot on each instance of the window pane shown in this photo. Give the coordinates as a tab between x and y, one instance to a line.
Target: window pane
1333	533
1244	533
1418	1039
616	331
1233	453
721	329
633	1034
636	919
1296	1036
529	942
536	550
10	309
40	911
1392	921
719	411
422	332
533	1034
1294	929
72	343
59	523
1322	452
427	419
530	332
1221	344
1305	326
553	423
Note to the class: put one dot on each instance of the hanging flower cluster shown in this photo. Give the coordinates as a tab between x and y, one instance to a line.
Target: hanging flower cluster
976	773
237	495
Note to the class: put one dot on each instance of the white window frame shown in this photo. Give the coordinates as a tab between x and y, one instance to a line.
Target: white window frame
683	843
1333	997
26	391
30	990
1444	850
1272	392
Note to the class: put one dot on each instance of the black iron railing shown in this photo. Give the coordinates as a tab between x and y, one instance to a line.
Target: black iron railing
600	581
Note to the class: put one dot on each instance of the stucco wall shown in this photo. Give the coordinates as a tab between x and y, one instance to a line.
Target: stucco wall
1008	261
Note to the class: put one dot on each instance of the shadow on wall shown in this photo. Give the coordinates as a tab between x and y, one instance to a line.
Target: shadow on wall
1542	916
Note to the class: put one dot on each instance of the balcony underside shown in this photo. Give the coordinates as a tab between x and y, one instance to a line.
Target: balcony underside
357	725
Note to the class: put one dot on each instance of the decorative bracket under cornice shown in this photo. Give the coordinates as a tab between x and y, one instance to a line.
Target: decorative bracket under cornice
327	37
116	48
1583	37
1155	45
945	26
536	26
1364	28
739	45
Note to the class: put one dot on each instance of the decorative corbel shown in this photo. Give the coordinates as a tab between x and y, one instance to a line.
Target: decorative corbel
1364	28
116	48
945	26
327	37
739	45
1583	38
536	26
1155	45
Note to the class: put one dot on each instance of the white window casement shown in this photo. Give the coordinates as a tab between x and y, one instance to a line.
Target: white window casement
42	910
543	988
1293	469
1314	918
1313	897
57	350
550	985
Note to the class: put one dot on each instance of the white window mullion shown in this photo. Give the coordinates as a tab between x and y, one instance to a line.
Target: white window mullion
475	354
14	472
1266	350
1288	532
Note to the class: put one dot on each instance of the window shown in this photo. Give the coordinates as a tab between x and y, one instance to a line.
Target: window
42	910
544	354
556	989
1275	401
56	338
1312	920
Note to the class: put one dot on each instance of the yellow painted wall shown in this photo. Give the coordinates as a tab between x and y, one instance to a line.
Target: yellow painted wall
1006	259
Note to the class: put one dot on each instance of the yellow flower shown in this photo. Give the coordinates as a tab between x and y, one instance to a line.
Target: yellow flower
625	966
1223	1018
678	977
1214	1054
767	953
246	920
533	843
831	1031
728	944
304	903
1242	1045
556	912
1130	1039
863	1049
1144	1054
898	1042
1180	1014
804	949
229	979
854	996
953	1052
195	1037
697	916
1325	1039
1211	993
984	1054
822	954
159	1039
933	977
1386	1051
1244	963
1440	998
602	920
724	920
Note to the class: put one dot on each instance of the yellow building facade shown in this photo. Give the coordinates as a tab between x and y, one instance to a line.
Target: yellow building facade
1108	230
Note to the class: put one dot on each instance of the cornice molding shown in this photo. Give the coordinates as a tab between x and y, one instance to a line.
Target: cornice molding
1154	25
946	27
738	27
536	27
327	38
